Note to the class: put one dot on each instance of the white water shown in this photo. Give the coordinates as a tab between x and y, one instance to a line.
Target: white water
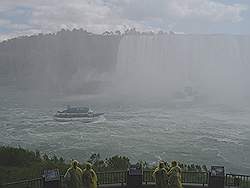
151	67
193	133
216	66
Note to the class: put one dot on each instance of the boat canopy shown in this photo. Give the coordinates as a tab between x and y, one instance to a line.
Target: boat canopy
76	110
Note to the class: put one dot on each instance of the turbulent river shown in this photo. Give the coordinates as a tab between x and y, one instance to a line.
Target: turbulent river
188	132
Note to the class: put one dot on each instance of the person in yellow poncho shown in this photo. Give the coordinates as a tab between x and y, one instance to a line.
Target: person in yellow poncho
175	176
89	177
160	175
73	176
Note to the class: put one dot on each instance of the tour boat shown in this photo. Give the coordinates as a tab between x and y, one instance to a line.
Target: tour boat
83	114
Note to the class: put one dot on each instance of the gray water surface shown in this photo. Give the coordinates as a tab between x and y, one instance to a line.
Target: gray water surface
191	133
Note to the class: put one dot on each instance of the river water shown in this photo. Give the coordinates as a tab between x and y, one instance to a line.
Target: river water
189	132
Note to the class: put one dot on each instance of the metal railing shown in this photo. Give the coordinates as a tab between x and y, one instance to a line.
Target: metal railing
36	183
112	177
195	177
120	177
187	177
236	180
148	176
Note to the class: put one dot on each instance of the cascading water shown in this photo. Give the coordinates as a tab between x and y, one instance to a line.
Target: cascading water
161	65
147	66
156	66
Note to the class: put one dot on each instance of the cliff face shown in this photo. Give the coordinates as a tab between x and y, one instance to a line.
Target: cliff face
82	62
68	61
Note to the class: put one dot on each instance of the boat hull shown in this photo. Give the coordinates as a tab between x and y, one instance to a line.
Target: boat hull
79	119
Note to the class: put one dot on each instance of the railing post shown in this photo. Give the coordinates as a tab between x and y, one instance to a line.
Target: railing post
135	176
216	177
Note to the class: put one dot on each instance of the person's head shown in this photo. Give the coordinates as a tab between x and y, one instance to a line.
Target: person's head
174	163
161	164
88	166
74	163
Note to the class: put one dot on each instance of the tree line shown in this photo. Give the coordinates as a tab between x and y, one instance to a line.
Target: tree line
19	164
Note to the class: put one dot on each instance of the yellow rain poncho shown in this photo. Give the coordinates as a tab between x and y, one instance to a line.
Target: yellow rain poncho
160	175
175	176
89	177
73	176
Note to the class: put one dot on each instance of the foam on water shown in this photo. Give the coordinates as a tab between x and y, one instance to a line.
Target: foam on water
194	133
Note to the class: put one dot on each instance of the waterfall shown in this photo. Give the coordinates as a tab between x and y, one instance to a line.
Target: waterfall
214	65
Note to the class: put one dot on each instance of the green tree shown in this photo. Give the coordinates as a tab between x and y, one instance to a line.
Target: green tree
54	159
61	160
38	155
118	163
45	157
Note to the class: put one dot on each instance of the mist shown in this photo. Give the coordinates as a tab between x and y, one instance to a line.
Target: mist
131	65
164	96
214	67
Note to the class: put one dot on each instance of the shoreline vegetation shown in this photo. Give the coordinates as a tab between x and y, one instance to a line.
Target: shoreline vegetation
22	164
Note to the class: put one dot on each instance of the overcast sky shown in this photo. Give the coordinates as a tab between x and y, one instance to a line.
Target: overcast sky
25	17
